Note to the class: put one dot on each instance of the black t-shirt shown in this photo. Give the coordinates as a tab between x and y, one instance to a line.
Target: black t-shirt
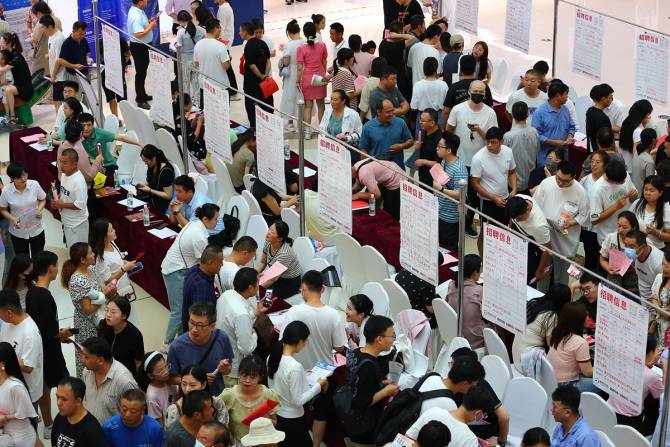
428	151
393	11
370	376
256	52
393	52
536	176
259	190
75	53
127	345
458	93
595	119
164	179
85	433
490	427
21	74
419	292
591	308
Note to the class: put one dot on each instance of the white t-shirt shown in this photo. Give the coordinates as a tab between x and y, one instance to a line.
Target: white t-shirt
461	436
602	196
27	342
433	383
55	43
493	170
326	331
647	271
462	115
73	190
211	55
186	249
226	19
227	274
19	203
644	218
419	53
536	226
429	94
532	103
293	388
236	317
14	400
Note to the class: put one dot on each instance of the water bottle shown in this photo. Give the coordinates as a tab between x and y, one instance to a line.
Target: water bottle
50	141
372	210
129	202
145	215
287	150
117	184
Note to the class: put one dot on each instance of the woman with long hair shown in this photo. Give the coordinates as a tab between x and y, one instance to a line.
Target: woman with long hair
153	377
160	177
541	316
652	212
344	77
483	71
194	378
87	296
16	63
643	164
660	296
19	277
288	379
123	336
73	140
289	73
626	222
569	351
363	59
15	404
312	60
243	150
188	35
278	248
358	311
319	21
72	108
638	117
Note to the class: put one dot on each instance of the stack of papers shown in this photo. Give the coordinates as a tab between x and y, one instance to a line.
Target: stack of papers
39	147
321	370
130	188
277	319
273	272
447	258
359	205
32	138
439	175
619	262
163	233
137	203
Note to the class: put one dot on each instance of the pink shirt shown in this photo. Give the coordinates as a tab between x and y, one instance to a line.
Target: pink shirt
363	63
87	166
566	358
382	173
652	383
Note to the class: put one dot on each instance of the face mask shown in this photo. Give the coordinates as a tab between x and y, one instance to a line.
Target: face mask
630	253
477	98
198	444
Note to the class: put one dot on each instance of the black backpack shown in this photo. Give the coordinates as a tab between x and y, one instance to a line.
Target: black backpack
404	410
355	422
231	226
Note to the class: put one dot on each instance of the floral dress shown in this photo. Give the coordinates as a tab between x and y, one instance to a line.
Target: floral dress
80	287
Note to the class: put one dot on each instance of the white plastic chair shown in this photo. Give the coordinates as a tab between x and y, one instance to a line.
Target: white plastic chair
177	171
254	207
147	131
168	145
112	123
129	157
201	186
242	212
442	363
378	296
292	219
572	94
517	76
548	382
139	172
129	112
605	440
526	401
495	346
376	267
497	374
398	299
304	251
597	413
249	180
257	229
626	436
581	106
447	320
499	76
353	270
225	185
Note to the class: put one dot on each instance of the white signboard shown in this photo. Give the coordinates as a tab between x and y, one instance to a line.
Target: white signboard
505	295
621	340
651	67
18	23
517	24
418	232
270	150
159	74
467	15
335	183
111	46
217	120
588	50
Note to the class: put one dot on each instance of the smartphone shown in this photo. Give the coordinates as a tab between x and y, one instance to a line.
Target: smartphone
386	33
139	256
267	299
74	330
137	268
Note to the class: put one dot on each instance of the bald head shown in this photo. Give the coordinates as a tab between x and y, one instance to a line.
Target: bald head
385	111
477	87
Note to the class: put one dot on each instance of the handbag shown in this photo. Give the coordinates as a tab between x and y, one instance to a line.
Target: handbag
241	67
268	86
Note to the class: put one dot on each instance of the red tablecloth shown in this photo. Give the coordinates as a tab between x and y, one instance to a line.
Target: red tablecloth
37	163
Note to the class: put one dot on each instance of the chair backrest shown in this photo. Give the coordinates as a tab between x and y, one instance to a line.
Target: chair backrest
447	320
304	250
128	111
376	268
112	123
292	219
378	296
139	172
526	400
517	76
168	145
572	93
201	185
398	299
353	270
626	436
581	106
249	180
254	207
129	157
495	346
177	171
242	213
597	413
499	76
147	131
548	377
497	374
257	228
223	179
605	440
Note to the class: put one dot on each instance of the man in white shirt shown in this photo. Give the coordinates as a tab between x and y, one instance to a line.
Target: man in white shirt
70	90
476	403
210	56
20	331
611	194
615	112
226	18
72	199
565	205
244	251
648	261
56	39
530	94
422	50
172	8
337	37
235	315
464	374
326	326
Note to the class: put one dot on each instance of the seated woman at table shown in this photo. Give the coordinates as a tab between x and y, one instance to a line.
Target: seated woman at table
22	202
160	178
420	293
73	139
194	130
16	63
278	249
626	222
541	316
341	120
243	150
271	202
569	352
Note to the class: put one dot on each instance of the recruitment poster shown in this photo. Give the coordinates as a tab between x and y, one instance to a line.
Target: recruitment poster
588	48
335	183
517	24
270	150
467	15
159	75
651	67
418	232
505	295
113	67
621	340
217	120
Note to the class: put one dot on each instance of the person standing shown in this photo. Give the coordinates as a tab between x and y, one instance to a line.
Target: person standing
199	281
420	51
312	60
72	200
602	96
74	426
131	427
524	141
140	28
15	400
188	36
74	52
386	136
257	68
54	42
381	179
211	58
427	145
387	90
553	122
529	94
226	18
197	409
173	8
290	83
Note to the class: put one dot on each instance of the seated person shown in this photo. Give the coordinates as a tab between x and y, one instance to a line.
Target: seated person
278	249
186	201
271	202
588	286
70	90
318	228
244	150
160	178
194	128
420	293
572	429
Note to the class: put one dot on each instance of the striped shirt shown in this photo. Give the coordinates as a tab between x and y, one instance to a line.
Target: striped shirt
286	256
456	172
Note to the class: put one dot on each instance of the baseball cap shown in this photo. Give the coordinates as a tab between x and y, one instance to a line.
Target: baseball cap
456	40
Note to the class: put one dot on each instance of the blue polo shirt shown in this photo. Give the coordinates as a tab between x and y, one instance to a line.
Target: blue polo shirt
551	124
137	22
197	201
148	434
376	138
580	435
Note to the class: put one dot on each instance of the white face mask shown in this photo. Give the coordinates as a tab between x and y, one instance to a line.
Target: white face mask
198	444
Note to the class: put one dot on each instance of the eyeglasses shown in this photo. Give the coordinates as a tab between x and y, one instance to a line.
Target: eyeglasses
390	336
442	146
195	325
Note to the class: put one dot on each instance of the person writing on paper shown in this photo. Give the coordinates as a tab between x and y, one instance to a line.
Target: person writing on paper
626	222
199	284
160	178
72	199
187	201
288	379
648	261
381	179
278	249
193	378
22	202
341	119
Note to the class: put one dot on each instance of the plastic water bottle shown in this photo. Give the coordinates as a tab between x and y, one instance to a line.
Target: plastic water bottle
287	150
50	141
117	184
129	202
372	210
145	215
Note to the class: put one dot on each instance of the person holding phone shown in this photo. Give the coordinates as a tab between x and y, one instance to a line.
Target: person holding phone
140	28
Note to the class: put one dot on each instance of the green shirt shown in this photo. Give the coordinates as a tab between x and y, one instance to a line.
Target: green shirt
103	137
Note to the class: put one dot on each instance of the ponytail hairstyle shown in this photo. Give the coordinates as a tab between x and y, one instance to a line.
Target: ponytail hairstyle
309	30
146	368
656	182
294	333
342	56
152	152
647	139
316	18
369	45
282	231
362	304
292	27
185	16
19	264
78	253
14	42
207	211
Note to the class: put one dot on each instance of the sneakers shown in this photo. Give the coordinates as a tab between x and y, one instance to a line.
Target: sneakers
46	434
471	231
235	97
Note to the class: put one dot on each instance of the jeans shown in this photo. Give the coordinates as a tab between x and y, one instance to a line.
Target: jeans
584	384
174	283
